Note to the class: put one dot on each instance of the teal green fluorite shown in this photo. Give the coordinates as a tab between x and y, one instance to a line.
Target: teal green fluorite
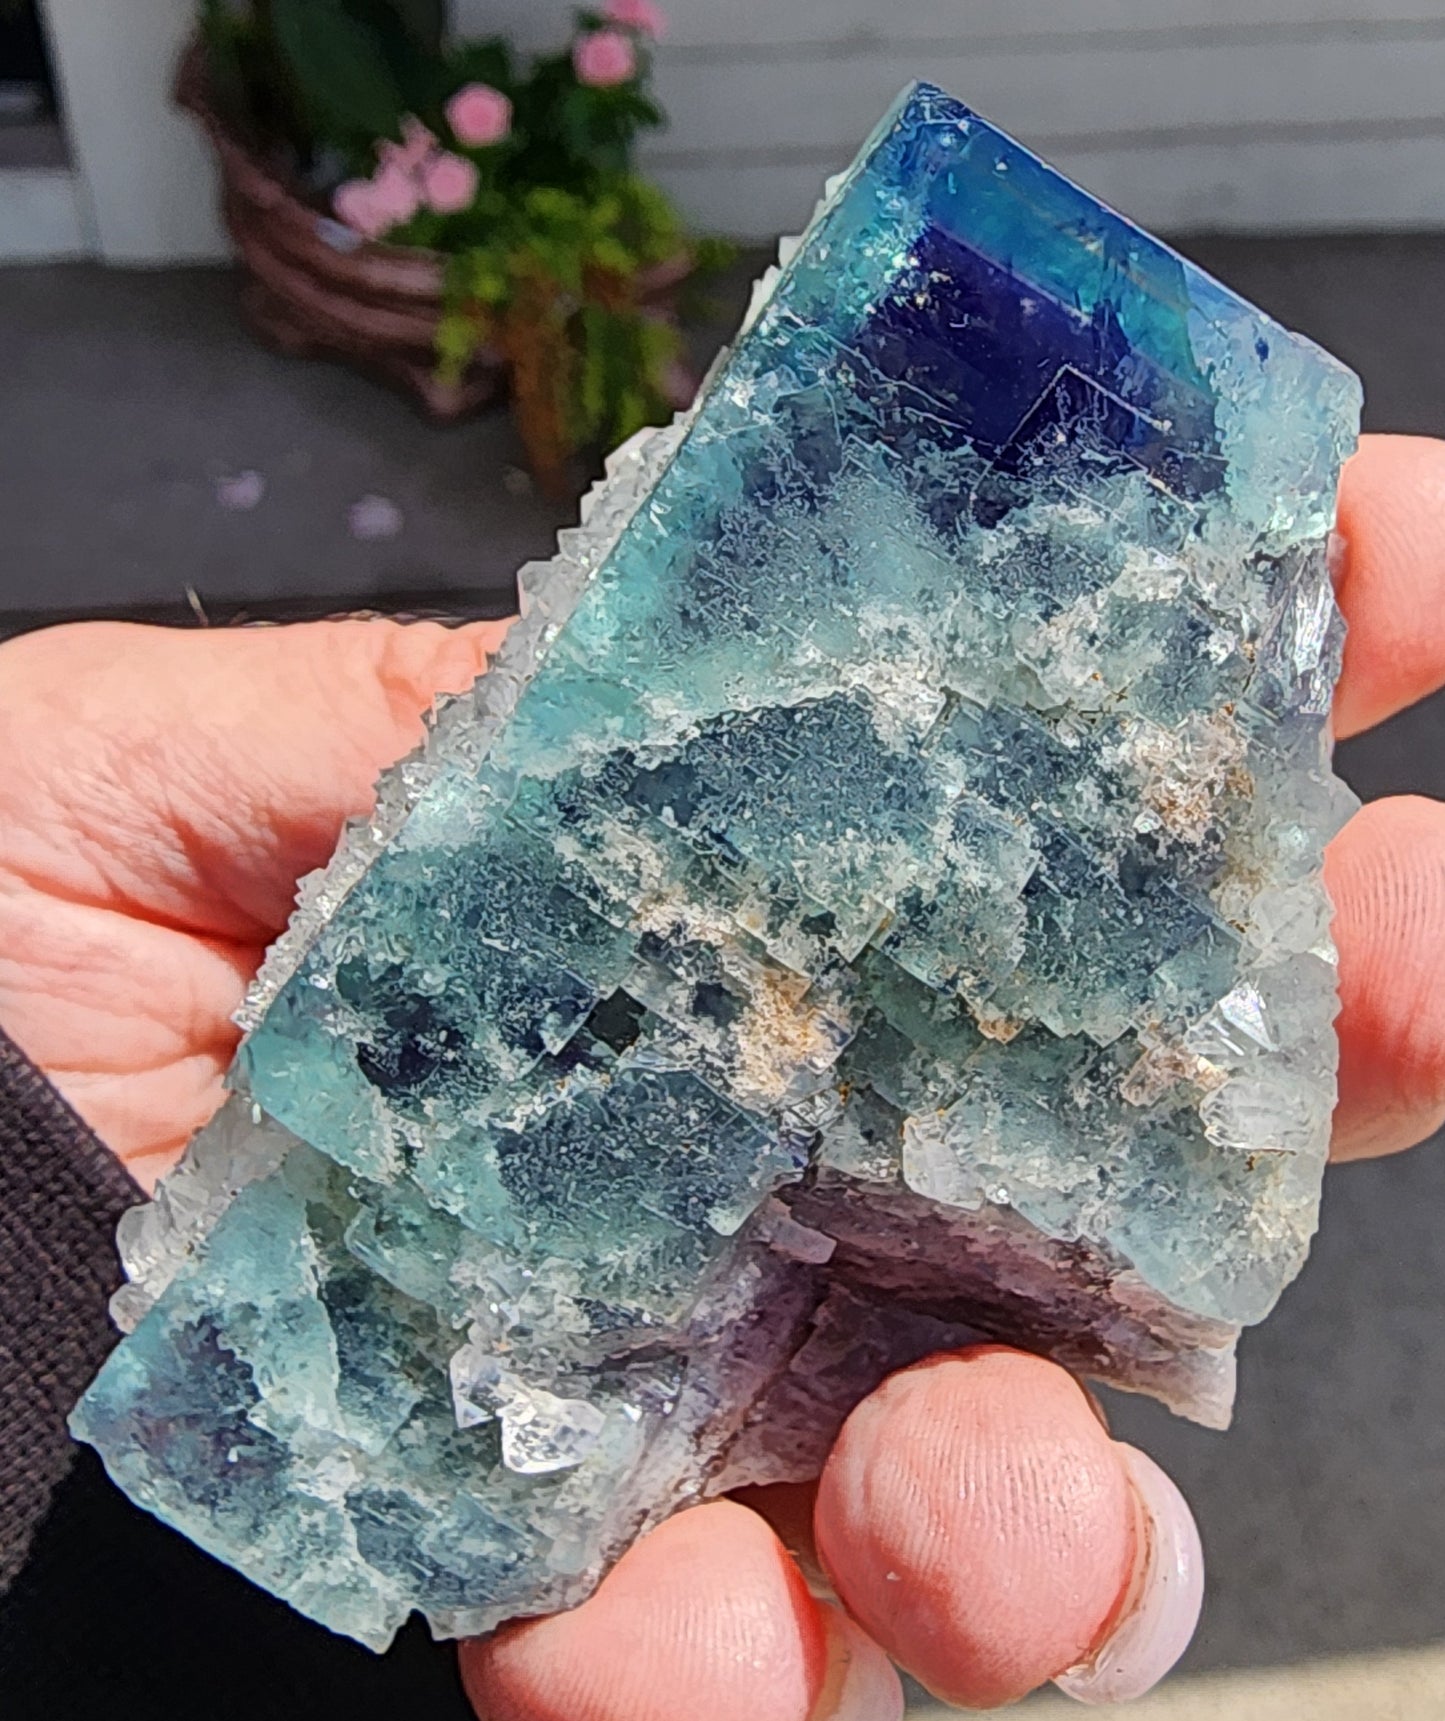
875	899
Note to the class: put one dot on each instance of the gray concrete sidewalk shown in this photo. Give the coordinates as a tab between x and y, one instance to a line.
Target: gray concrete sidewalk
128	401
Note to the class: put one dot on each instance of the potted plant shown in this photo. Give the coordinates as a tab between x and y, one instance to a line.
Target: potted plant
449	214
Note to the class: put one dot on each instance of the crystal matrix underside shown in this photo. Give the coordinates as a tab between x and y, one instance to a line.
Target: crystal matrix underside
874	900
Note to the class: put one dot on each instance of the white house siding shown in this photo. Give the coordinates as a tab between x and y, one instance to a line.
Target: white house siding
1189	114
145	180
1247	114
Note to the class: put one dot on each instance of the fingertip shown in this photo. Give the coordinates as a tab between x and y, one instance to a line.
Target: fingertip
1386	876
978	1521
1161	1608
788	1508
705	1616
1392	584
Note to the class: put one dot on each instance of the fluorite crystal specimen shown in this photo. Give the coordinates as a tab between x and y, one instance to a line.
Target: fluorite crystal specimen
873	901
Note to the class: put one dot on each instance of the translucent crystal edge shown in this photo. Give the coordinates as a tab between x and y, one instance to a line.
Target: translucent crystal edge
157	1237
548	591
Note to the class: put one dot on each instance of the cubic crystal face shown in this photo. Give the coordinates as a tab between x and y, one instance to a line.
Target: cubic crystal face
873	902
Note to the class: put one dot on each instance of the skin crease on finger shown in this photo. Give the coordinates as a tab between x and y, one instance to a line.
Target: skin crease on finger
978	1521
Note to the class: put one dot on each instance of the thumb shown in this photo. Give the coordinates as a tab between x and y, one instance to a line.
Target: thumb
197	775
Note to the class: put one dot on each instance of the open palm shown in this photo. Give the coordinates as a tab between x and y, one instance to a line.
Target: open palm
160	794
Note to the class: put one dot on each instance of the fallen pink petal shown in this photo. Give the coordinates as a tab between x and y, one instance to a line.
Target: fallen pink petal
374	518
239	492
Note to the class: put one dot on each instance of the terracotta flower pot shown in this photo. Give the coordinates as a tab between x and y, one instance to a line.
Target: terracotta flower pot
314	288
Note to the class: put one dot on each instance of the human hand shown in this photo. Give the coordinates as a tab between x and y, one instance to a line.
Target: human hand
161	795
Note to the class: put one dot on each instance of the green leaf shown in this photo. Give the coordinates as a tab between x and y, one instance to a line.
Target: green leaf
649	204
634	409
648	113
611	254
605	213
488	61
339	69
456	341
225	37
415	64
556	260
552	208
658	344
592	383
710	255
487	279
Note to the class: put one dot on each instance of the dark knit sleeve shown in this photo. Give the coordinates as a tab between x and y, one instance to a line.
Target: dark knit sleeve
61	1193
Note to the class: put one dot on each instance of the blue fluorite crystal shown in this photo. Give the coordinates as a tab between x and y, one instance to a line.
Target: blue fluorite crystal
874	900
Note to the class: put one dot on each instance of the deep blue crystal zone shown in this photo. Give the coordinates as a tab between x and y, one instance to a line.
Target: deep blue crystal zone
879	812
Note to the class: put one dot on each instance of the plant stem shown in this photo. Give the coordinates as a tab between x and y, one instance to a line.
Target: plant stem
540	362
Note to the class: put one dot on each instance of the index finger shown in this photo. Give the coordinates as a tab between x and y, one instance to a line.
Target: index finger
1392	583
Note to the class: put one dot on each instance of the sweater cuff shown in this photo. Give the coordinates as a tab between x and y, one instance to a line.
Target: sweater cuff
61	1193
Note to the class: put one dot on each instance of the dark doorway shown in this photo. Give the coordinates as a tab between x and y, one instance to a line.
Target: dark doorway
30	130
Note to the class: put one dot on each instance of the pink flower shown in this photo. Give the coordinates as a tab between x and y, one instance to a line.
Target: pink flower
603	58
396	194
644	16
449	183
479	115
355	203
417	143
